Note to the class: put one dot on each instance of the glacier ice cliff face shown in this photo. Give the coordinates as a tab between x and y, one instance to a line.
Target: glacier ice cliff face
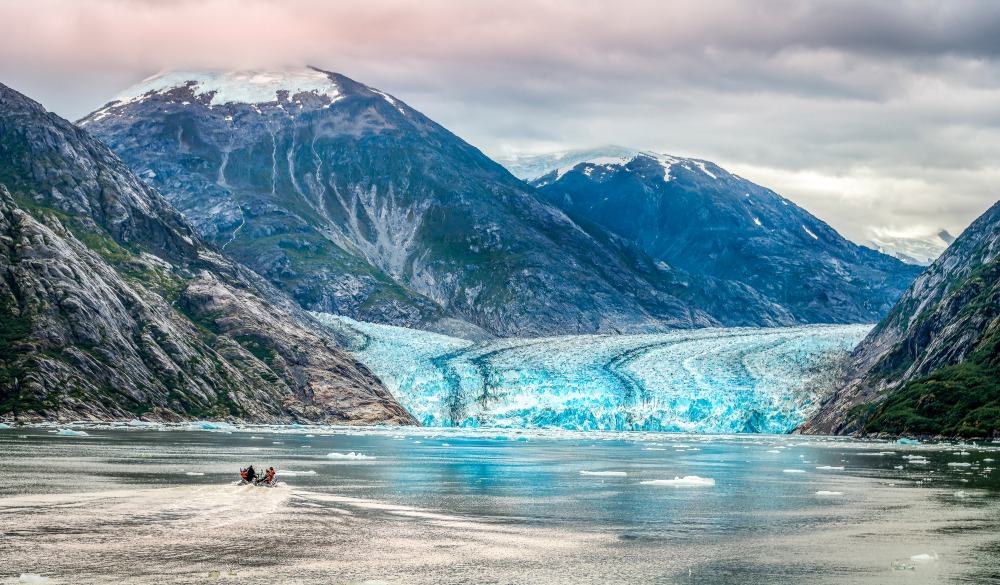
710	380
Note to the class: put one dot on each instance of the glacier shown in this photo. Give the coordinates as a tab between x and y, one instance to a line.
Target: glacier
732	380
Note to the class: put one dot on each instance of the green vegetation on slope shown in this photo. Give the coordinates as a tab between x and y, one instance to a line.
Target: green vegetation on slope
962	400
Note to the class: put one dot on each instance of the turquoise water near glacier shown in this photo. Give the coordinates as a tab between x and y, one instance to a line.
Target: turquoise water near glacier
733	380
424	506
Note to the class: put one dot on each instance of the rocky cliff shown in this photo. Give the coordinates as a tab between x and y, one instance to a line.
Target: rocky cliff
111	306
932	366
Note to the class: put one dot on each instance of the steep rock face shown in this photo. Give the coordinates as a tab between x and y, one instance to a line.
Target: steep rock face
694	216
932	366
356	204
111	307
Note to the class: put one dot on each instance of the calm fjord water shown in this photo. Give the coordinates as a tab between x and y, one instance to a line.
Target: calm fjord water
479	506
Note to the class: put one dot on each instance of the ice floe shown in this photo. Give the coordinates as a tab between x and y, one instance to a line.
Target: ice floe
605	473
686	481
72	433
351	455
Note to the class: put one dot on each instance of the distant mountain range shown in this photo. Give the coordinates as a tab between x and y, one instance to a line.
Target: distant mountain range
932	366
112	307
692	216
356	204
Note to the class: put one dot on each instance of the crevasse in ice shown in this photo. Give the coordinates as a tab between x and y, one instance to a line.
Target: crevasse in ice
708	380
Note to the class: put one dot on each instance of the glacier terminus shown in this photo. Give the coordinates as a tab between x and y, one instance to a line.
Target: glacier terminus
714	380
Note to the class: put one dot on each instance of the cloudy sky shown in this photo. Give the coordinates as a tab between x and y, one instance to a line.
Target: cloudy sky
882	118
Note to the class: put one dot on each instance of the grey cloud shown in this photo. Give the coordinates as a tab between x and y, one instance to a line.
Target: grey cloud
873	115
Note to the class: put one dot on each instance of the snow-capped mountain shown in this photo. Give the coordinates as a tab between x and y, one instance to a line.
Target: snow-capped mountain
357	204
920	249
693	215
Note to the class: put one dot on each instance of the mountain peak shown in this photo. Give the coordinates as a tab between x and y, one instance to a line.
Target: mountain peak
533	167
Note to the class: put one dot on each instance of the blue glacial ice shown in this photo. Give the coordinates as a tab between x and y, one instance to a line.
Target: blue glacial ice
708	380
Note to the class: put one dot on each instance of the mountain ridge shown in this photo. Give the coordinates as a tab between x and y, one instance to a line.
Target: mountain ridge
694	216
373	211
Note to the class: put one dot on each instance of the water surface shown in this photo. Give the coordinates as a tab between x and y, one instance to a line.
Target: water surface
471	506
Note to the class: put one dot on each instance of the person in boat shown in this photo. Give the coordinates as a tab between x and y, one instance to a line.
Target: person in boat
250	474
269	476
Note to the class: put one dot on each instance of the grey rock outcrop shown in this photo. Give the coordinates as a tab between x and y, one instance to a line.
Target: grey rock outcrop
113	308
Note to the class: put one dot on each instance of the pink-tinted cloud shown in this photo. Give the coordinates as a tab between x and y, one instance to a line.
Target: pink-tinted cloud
902	98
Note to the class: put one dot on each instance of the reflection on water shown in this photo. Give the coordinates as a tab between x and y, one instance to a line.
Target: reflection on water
433	505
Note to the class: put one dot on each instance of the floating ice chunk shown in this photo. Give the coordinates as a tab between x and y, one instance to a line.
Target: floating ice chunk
774	451
277	442
793	471
141	423
193	473
879	454
207	425
828	493
33	578
653	449
907	442
72	433
959	465
831	467
987	460
605	473
446	444
351	455
291	473
4	426
897	467
961	494
925	558
686	481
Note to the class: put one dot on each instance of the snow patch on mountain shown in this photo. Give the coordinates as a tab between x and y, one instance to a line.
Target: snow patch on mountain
226	87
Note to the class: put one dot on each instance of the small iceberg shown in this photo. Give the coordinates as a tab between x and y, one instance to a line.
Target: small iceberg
605	473
959	465
830	467
793	471
141	423
925	558
72	433
351	455
828	493
33	578
4	426
207	425
961	494
907	442
686	481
